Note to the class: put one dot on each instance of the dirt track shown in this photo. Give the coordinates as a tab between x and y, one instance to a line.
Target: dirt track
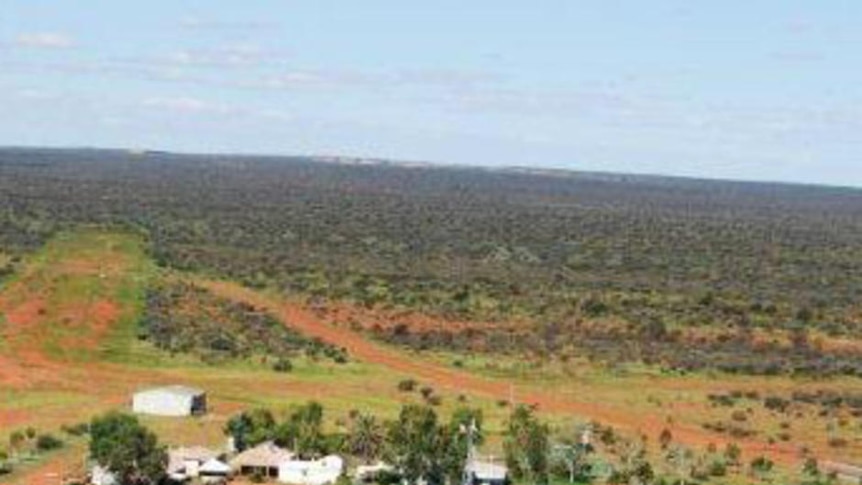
301	318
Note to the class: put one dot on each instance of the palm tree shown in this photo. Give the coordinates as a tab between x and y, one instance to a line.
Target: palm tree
366	437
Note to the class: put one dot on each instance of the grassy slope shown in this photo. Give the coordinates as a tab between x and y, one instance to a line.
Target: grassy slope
71	379
72	371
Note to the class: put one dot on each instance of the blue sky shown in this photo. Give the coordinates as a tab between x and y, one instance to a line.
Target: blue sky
763	90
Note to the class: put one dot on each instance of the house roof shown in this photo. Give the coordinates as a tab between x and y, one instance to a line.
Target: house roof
266	454
214	467
842	468
177	390
178	457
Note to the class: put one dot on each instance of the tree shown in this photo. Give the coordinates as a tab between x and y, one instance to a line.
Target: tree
569	459
634	468
464	429
366	437
127	449
732	453
303	431
250	428
665	438
526	446
761	466
681	459
569	456
414	444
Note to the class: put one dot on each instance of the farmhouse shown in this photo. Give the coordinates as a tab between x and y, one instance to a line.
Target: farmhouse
264	459
316	472
844	472
170	401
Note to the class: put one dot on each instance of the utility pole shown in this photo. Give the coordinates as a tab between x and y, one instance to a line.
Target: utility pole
471	454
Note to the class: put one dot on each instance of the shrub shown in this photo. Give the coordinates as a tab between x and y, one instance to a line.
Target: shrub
407	385
48	442
717	469
739	416
775	403
282	365
79	429
837	442
761	464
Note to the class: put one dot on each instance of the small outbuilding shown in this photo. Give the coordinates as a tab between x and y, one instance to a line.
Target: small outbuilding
170	401
186	462
264	460
314	472
485	473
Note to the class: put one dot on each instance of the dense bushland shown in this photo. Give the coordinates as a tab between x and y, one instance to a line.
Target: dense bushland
557	249
182	317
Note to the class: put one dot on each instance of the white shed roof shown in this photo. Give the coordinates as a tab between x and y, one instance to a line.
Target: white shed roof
176	390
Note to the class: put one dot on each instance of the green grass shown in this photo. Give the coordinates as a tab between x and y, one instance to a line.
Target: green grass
246	383
25	400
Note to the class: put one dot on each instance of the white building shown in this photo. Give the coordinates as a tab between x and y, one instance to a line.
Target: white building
485	473
264	459
100	475
185	463
214	471
170	401
315	472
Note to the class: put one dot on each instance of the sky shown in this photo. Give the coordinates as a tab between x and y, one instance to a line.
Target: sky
753	90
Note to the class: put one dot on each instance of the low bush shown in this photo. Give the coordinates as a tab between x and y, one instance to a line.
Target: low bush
48	442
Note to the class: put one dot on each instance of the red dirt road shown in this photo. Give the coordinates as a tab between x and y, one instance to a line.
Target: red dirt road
299	317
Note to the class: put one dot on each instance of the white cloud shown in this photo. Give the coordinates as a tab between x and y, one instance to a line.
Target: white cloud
38	94
229	56
235	26
185	104
44	40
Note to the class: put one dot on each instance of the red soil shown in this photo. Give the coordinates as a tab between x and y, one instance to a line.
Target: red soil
25	315
301	318
60	470
93	319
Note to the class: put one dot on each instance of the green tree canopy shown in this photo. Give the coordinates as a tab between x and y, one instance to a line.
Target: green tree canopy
366	437
250	428
121	444
415	444
303	431
527	446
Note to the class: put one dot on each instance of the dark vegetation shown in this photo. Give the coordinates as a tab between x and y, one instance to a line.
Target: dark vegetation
185	318
24	445
618	265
